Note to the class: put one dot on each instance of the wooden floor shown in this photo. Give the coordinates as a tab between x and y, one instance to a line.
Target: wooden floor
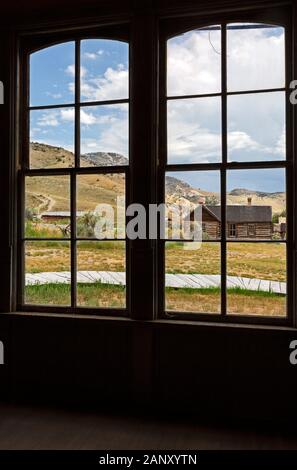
33	428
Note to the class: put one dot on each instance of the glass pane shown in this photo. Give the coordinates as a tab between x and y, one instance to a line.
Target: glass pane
101	206
194	130
193	282
256	204
47	268
47	206
194	62
256	279
104	135
52	75
101	274
194	196
255	57
104	70
256	127
52	138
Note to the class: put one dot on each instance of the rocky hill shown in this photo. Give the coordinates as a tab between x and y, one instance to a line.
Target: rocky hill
178	191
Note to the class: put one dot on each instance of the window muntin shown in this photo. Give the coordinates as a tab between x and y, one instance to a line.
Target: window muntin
76	149
253	132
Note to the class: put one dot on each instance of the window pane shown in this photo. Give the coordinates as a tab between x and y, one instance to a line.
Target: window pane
52	75
256	278
190	191
47	268
104	70
193	277
101	274
256	204
194	130
52	138
255	57
194	62
104	135
256	127
47	206
101	206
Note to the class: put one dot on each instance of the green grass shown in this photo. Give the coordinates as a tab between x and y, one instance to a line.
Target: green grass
90	295
217	290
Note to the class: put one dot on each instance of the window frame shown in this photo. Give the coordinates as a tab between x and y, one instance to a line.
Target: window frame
29	45
231	230
172	27
147	35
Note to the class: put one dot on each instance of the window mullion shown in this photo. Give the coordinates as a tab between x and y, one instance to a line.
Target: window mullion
223	172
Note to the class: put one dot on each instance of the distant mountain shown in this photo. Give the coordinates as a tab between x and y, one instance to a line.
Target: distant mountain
178	191
244	192
103	159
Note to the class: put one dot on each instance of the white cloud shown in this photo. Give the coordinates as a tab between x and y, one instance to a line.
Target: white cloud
255	123
112	138
67	114
87	118
113	84
48	119
90	55
70	70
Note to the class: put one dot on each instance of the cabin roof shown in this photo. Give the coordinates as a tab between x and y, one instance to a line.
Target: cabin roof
243	214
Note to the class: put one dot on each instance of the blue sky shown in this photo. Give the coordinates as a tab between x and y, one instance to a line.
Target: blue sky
270	180
104	77
256	122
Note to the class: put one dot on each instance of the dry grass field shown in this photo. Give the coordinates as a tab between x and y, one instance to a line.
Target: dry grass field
244	259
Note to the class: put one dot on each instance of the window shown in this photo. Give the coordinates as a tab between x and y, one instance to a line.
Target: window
226	126
75	162
232	230
205	124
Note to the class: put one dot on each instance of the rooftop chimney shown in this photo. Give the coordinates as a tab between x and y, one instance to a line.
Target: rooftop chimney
249	201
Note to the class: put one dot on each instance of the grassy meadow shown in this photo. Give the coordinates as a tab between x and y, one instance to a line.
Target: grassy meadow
262	261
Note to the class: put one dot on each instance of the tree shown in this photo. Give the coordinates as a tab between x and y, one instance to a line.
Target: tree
212	200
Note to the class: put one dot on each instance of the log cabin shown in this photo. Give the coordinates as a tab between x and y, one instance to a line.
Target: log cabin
248	221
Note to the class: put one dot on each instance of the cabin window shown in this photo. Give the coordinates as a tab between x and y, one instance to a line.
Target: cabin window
223	111
75	161
232	230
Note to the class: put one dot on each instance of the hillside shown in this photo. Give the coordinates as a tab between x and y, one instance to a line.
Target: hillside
52	193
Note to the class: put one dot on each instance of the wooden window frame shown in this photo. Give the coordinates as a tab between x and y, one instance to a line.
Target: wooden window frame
279	16
29	46
231	230
147	33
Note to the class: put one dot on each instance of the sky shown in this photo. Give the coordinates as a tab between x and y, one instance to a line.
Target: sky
256	122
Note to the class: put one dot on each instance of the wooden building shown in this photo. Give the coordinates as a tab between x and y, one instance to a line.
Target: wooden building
248	221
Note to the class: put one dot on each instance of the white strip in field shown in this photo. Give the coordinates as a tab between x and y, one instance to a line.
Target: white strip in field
194	281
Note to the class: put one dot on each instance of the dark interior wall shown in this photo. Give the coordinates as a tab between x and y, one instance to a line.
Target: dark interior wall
230	371
215	371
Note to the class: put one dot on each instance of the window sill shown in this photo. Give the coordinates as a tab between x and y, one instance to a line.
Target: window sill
162	323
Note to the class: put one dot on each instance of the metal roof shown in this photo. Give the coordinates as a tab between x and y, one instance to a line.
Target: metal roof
243	214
